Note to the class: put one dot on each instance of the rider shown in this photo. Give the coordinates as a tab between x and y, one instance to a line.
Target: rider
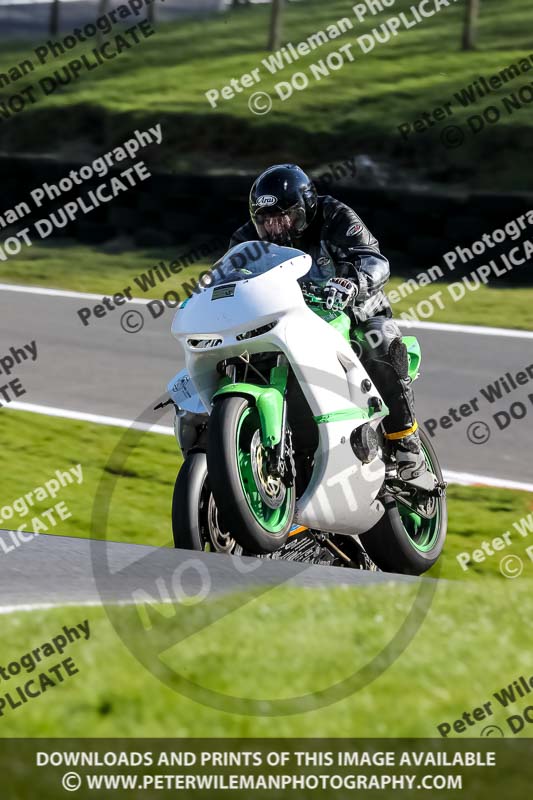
285	209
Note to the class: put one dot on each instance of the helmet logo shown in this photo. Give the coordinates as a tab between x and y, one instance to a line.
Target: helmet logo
353	230
267	200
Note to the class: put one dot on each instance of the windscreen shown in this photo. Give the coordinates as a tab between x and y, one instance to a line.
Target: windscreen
247	260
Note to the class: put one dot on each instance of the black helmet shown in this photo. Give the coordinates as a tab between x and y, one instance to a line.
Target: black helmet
283	203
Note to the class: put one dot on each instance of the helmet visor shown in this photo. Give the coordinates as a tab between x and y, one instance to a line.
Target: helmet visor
280	227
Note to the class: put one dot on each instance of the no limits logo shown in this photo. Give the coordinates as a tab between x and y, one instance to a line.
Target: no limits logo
165	584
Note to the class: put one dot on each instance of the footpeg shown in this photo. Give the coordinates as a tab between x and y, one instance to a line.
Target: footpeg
427	482
439	490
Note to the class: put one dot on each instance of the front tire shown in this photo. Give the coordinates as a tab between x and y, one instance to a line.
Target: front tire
195	518
258	507
404	542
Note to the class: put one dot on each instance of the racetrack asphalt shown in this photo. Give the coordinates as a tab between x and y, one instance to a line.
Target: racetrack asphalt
102	369
50	571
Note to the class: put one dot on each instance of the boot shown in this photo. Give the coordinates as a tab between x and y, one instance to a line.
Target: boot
410	459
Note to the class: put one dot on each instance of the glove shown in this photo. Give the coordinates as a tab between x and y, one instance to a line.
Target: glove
340	293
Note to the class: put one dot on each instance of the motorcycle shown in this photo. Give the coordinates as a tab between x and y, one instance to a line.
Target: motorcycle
281	427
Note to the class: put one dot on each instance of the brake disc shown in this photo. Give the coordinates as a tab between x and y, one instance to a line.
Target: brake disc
271	490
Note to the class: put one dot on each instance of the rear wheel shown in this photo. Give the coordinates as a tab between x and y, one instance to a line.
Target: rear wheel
195	519
257	504
403	541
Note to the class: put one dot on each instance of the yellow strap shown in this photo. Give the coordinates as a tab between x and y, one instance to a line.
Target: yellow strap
402	434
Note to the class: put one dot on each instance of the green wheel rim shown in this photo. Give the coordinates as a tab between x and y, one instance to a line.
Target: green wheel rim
423	533
272	520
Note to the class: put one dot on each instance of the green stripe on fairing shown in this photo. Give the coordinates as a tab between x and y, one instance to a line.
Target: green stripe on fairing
415	355
351	413
337	319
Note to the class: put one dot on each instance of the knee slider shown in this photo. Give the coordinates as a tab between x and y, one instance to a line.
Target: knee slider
399	358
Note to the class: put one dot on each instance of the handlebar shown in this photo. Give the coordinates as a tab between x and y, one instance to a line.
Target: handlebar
314	292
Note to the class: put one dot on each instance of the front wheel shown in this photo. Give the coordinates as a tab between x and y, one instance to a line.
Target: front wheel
255	503
403	541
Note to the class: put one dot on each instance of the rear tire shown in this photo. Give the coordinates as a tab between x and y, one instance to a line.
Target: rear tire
195	518
403	541
258	508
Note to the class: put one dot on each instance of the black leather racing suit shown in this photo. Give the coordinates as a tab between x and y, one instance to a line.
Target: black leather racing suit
340	244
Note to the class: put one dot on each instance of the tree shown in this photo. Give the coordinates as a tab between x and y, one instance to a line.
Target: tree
276	19
53	25
470	26
103	5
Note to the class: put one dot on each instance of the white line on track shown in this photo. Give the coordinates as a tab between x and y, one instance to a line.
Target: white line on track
471	479
476	330
47	606
444	327
74	604
97	419
8	287
462	478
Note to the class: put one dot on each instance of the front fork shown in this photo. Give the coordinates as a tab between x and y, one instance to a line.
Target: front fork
279	455
280	459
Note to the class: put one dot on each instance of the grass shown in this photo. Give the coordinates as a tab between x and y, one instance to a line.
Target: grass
483	623
132	475
486	647
506	307
106	270
477	515
99	270
139	510
356	109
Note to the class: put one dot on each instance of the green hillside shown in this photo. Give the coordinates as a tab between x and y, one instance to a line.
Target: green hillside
357	109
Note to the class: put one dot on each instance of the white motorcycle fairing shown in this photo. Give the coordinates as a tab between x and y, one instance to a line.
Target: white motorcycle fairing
267	313
183	393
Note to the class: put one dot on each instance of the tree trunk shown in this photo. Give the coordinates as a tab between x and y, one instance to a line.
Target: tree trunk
470	26
276	19
103	5
53	26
